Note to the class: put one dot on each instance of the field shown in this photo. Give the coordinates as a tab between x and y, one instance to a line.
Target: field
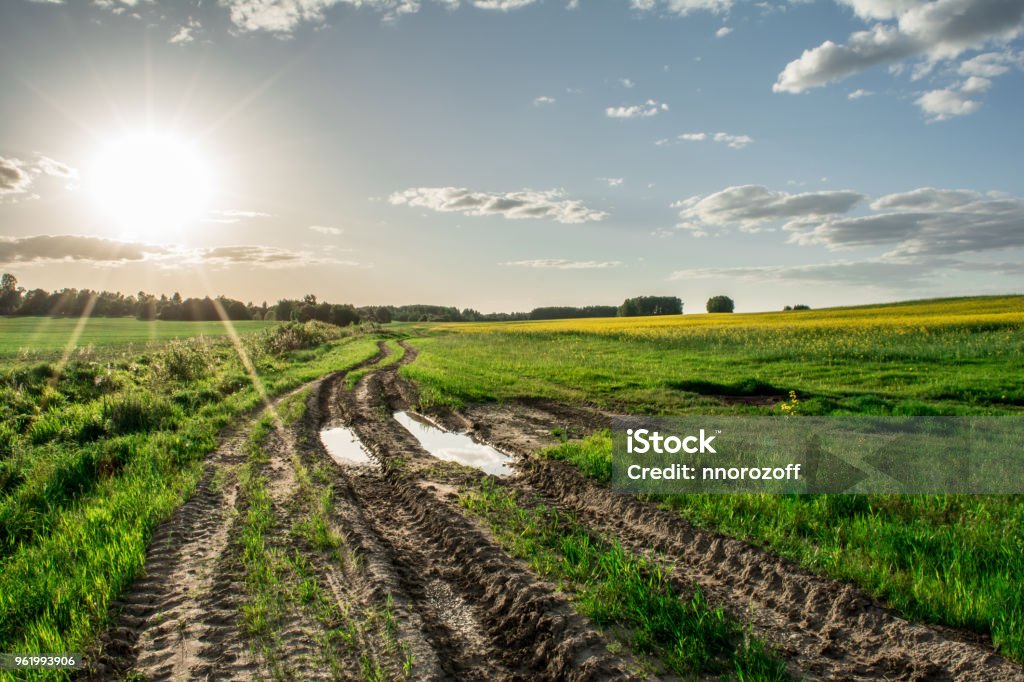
169	511
41	336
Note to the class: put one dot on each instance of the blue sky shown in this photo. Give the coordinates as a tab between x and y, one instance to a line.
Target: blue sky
504	154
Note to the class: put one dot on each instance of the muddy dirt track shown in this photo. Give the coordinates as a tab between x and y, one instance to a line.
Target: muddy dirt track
421	591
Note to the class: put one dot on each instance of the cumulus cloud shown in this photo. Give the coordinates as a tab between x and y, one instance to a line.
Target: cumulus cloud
542	100
751	206
563	264
931	31
324	229
43	248
733	141
991	64
284	16
723	32
17	175
645	110
183	35
858	93
925	221
613	182
939	105
682	7
550	204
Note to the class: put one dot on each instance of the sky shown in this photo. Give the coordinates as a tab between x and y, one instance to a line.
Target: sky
507	154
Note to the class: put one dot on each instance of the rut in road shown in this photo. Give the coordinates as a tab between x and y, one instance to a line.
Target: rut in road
481	614
180	619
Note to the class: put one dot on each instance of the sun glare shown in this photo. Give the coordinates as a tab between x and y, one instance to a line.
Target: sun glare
151	183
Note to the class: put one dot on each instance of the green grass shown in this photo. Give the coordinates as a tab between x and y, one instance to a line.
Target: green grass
925	358
625	592
957	561
42	336
87	471
951	559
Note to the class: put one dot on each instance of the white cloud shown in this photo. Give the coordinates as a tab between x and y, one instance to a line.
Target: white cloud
626	83
723	32
991	64
733	141
502	5
524	204
682	7
858	93
946	103
930	30
751	206
613	182
542	100
645	110
183	35
323	229
232	215
562	264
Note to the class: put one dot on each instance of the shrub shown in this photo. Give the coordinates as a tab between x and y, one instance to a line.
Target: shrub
184	359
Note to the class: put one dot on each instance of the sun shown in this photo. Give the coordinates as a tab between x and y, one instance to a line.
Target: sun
151	184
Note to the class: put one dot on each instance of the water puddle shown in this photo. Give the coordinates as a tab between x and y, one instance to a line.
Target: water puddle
344	446
455	447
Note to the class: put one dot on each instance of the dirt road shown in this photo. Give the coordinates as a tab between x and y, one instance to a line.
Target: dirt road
375	572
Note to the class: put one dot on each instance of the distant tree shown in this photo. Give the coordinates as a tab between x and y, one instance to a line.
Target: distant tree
570	312
10	295
720	304
788	307
651	305
801	306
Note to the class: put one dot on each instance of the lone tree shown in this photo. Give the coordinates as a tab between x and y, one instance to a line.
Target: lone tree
720	304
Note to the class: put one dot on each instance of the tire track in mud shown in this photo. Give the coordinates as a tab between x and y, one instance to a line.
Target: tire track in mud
829	630
180	619
469	610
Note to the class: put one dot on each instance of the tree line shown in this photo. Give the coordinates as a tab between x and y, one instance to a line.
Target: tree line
68	302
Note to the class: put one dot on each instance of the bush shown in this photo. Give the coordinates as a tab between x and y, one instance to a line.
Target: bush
300	336
720	304
185	360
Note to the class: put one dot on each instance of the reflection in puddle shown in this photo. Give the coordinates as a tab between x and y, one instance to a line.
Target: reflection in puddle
344	446
455	447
